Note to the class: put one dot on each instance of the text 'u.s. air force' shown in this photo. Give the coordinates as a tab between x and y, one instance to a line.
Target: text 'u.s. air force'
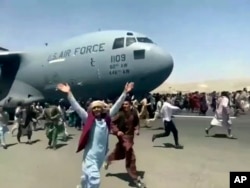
77	51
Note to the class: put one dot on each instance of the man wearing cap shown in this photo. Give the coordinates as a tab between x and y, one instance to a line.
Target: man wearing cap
94	138
125	125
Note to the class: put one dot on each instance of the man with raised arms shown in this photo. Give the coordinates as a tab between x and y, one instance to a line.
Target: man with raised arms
95	133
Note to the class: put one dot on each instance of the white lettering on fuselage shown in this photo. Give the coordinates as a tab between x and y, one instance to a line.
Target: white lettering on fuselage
77	51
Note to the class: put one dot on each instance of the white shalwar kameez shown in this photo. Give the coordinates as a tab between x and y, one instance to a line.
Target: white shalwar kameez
222	115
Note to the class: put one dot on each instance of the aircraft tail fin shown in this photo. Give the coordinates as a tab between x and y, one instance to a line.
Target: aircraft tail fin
3	49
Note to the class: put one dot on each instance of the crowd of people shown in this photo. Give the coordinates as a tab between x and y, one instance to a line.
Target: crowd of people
122	118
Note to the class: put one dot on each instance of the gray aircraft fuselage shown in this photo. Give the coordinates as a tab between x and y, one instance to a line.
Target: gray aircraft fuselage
95	65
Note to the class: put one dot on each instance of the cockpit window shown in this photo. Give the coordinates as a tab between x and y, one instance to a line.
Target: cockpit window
144	39
118	43
130	40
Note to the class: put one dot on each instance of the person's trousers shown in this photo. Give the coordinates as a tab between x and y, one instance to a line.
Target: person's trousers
20	132
2	137
52	134
124	150
169	126
91	177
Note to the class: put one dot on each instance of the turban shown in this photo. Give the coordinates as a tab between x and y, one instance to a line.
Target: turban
98	103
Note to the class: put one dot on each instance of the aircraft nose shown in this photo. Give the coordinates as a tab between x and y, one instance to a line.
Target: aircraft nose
158	69
154	66
163	63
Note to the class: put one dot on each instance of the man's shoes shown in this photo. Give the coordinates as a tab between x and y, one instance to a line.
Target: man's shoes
230	136
178	146
207	132
153	138
29	142
139	183
106	165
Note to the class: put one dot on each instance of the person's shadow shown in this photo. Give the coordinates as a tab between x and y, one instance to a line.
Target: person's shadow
221	136
126	177
169	145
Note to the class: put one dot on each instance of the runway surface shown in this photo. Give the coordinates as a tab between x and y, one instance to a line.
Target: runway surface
205	162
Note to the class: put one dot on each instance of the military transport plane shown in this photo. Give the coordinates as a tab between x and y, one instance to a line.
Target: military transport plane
95	65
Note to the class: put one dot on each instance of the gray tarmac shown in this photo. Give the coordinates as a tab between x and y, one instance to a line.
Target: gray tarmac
205	162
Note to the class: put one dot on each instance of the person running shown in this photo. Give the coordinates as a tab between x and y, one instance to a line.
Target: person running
169	125
125	125
222	115
95	134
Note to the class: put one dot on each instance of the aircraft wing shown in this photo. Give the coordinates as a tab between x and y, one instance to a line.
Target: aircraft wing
8	53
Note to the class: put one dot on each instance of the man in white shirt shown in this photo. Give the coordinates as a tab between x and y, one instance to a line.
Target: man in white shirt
167	112
16	125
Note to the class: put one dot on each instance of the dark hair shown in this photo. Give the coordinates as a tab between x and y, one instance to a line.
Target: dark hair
224	93
164	98
128	99
19	104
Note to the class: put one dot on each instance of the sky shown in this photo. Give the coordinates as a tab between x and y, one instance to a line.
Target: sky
208	39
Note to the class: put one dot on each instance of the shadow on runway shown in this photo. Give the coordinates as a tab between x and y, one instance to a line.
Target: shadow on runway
70	137
9	145
168	145
222	136
35	141
158	128
39	129
126	177
58	146
32	142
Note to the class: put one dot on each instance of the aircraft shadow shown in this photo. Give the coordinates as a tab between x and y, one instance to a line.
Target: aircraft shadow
168	145
222	136
125	177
